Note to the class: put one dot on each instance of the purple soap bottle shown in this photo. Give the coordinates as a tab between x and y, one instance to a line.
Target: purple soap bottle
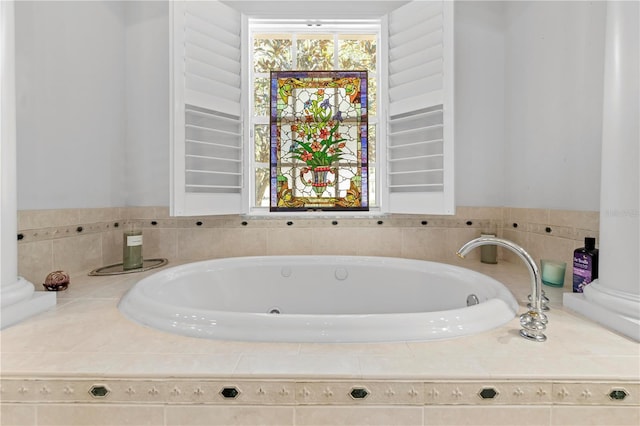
585	264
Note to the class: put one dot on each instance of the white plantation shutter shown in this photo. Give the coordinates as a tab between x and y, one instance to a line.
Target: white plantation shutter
207	152
420	124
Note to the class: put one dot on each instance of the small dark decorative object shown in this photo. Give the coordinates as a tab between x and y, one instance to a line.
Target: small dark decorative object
488	393
56	281
99	391
618	394
359	393
229	392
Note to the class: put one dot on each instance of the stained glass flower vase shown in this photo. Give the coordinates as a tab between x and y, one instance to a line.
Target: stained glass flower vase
320	179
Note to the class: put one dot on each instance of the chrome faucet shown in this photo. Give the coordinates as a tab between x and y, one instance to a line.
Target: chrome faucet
534	321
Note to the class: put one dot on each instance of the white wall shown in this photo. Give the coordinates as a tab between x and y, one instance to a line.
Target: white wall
70	104
93	104
479	103
147	103
553	109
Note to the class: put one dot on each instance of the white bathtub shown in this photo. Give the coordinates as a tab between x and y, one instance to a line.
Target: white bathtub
319	299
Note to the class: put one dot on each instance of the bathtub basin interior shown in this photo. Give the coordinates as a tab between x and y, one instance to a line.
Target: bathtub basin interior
319	299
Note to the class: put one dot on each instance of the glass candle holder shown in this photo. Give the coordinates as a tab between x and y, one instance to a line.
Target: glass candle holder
132	249
553	272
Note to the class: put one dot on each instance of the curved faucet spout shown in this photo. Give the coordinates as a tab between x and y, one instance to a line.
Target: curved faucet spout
534	321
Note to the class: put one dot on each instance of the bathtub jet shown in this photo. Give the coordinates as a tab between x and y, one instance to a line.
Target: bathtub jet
319	299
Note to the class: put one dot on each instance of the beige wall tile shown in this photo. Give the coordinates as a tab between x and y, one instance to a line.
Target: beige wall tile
17	414
379	242
29	219
575	219
527	215
98	415
366	416
423	243
157	212
518	237
228	415
289	241
489	416
159	243
78	254
455	239
199	243
584	415
492	213
112	247
553	248
99	215
35	261
335	240
244	242
32	219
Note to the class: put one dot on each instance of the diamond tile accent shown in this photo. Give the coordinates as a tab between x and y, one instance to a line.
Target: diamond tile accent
488	393
359	393
230	392
99	391
618	394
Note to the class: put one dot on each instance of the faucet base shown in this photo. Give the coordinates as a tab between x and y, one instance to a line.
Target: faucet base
544	302
537	337
533	326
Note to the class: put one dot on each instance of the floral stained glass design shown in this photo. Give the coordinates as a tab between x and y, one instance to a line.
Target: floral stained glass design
318	140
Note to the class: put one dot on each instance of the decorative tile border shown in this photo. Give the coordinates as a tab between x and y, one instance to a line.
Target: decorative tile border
562	224
53	233
266	392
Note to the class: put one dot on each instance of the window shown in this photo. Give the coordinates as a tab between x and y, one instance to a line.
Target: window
220	120
318	141
298	46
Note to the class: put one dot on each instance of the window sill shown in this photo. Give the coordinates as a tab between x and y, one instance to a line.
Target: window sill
263	213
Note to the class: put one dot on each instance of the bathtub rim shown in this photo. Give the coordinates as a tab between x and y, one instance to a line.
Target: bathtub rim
319	328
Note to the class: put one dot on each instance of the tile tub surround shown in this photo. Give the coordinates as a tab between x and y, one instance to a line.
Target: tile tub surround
56	369
76	240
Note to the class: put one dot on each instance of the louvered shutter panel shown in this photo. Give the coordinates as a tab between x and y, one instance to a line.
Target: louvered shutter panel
420	126
207	153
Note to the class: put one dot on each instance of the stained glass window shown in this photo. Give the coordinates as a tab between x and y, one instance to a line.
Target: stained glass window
318	140
286	47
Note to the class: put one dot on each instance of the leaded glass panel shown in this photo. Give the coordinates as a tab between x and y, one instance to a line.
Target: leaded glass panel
261	96
315	52
262	187
319	140
357	52
261	141
272	52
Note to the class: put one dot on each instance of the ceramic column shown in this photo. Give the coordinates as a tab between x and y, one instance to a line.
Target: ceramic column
614	299
18	300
